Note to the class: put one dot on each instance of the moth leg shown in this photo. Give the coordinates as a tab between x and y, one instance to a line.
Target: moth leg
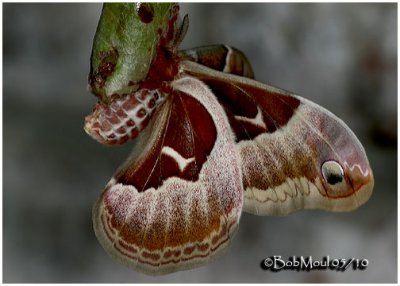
221	58
124	118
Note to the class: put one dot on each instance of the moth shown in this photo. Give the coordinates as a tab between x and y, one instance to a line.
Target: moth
209	143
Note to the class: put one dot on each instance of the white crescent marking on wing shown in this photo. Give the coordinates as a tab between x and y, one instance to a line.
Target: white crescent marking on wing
258	120
181	161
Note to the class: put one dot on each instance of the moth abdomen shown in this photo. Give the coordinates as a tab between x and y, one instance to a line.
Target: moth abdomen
124	118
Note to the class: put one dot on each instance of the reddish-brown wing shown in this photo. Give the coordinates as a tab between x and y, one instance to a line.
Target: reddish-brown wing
177	200
294	153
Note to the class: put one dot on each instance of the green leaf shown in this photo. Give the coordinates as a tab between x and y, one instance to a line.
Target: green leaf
125	45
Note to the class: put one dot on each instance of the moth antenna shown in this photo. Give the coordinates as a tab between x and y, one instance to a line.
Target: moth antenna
182	31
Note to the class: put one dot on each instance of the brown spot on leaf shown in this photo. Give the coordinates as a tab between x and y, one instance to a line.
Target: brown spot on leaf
145	12
108	61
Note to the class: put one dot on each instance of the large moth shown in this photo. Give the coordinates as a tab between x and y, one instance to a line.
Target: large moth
209	143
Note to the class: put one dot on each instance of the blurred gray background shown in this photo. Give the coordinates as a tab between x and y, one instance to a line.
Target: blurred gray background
342	56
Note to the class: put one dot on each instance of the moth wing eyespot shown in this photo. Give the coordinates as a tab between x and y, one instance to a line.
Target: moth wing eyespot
332	172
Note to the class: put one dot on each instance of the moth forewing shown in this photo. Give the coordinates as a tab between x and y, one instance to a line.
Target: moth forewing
283	141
